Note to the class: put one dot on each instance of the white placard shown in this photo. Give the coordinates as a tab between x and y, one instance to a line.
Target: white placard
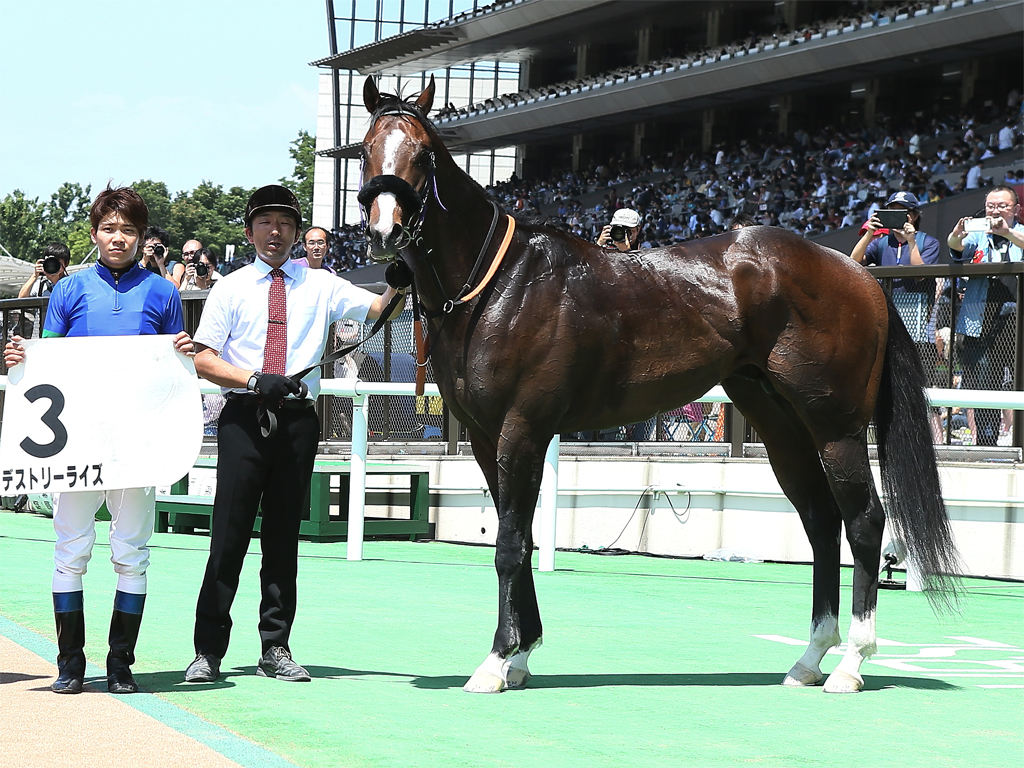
99	412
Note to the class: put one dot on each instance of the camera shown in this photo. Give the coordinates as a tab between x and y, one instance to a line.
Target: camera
977	225
158	250
52	265
618	233
201	269
891	219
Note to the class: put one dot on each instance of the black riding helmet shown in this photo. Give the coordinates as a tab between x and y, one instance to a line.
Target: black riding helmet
273	197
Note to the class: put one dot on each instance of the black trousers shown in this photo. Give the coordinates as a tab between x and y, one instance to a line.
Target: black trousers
256	473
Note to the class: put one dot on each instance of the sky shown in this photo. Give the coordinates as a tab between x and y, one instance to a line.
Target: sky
178	91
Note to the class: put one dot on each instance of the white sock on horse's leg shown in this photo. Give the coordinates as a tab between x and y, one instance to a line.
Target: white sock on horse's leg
490	676
860	645
807	670
497	674
518	673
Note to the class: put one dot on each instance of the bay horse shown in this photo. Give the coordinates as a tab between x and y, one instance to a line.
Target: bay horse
565	336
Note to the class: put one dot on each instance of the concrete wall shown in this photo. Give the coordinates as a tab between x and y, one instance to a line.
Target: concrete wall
752	516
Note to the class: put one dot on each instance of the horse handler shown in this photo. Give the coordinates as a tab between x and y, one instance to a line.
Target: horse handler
260	324
117	297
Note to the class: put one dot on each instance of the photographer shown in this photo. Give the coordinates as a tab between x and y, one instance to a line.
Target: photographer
988	303
49	269
156	249
903	246
200	271
623	233
997	236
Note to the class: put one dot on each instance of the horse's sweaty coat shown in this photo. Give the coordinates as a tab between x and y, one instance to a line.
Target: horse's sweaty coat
568	336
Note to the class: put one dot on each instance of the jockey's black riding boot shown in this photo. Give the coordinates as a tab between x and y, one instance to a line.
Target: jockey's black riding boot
70	620
124	632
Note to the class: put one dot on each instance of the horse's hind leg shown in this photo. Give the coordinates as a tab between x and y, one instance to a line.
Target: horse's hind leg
798	469
513	473
849	472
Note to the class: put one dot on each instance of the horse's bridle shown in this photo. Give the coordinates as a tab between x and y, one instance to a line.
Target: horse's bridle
410	199
404	192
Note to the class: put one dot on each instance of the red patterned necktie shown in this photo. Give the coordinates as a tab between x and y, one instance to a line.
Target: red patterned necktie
275	353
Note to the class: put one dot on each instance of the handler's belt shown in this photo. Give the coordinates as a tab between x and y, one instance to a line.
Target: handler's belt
253	401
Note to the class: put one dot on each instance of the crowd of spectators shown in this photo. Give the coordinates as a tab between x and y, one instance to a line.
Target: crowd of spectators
809	184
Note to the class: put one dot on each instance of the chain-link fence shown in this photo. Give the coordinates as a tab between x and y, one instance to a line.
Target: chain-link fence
967	337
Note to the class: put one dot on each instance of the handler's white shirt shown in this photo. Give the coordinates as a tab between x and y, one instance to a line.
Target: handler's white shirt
234	321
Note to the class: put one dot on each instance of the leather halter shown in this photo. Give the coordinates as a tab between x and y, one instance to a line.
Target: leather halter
410	199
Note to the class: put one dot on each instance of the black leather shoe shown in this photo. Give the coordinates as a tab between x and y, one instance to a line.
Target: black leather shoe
67	683
277	662
205	669
120	680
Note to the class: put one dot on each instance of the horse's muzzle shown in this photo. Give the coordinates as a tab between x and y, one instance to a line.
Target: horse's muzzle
380	248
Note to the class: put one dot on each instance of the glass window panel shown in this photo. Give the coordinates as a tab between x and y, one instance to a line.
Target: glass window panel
414	11
363	33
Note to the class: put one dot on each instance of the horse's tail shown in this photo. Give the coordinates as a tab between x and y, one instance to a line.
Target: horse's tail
910	475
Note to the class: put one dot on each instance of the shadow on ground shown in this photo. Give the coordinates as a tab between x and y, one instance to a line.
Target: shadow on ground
712	679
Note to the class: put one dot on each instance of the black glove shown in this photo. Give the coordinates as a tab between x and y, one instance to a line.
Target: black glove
274	387
398	275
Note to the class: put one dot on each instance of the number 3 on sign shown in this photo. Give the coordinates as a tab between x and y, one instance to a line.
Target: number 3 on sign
50	419
132	419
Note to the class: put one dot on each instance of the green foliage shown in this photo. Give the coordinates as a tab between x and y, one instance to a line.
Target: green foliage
21	224
158	200
303	152
209	213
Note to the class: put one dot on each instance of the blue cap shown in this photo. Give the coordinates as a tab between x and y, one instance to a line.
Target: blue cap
904	198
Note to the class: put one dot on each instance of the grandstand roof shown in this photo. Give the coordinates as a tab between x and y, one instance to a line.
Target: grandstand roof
504	31
848	54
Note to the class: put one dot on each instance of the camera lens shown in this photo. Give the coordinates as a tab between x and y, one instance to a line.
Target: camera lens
52	265
201	269
159	250
618	233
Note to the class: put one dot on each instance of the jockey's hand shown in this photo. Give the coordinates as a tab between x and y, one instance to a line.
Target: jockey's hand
183	344
14	353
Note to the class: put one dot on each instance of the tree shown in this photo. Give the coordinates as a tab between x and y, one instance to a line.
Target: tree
21	222
303	152
66	219
209	215
158	200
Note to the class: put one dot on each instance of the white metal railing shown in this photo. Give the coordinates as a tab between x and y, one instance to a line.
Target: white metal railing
358	391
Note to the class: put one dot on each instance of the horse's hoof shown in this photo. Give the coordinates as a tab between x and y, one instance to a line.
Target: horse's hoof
490	676
843	682
484	682
800	676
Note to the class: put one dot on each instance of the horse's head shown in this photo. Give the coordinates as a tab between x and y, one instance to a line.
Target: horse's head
398	167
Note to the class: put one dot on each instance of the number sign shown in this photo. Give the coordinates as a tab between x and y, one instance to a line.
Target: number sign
99	412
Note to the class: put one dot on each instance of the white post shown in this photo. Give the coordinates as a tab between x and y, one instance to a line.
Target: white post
357	479
549	506
915	582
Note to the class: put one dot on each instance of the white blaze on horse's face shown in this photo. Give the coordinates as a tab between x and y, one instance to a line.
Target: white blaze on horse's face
384	213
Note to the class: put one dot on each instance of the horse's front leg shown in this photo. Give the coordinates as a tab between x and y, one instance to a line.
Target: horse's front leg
519	467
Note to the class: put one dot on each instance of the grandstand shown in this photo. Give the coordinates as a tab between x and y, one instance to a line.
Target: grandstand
538	90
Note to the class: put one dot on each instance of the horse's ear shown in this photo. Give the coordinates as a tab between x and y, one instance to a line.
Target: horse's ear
371	96
426	99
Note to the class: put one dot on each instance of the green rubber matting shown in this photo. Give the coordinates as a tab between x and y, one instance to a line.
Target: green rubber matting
646	662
